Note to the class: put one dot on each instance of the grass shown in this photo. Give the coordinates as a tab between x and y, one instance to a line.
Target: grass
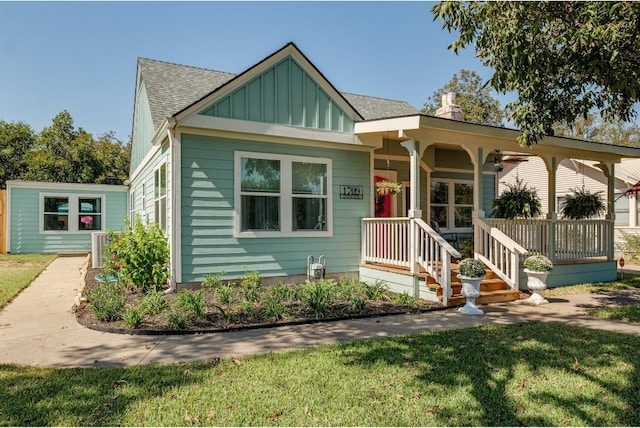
17	271
629	313
514	375
629	282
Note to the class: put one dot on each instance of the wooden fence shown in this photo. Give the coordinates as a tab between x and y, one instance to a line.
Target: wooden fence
3	221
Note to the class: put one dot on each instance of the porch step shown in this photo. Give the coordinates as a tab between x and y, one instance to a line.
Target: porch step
487	297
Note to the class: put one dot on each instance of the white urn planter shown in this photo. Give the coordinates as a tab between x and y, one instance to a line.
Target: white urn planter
471	291
536	282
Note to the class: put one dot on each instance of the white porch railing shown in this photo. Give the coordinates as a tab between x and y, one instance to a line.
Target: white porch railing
388	241
434	254
574	239
498	251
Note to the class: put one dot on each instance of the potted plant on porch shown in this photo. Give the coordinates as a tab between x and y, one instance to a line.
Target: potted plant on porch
537	268
386	187
471	272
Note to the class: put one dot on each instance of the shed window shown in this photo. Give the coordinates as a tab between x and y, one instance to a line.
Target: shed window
281	195
71	213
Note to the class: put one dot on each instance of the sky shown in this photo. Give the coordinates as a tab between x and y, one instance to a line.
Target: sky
81	56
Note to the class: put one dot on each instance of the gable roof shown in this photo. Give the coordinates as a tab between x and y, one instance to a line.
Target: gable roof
171	88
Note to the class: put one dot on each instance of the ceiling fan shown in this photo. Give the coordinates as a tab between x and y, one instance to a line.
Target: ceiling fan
500	159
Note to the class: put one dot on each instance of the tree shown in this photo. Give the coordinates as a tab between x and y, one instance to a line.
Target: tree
474	98
16	139
562	59
62	153
595	128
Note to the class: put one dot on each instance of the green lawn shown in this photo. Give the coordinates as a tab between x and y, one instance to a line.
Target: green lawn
527	374
627	283
17	271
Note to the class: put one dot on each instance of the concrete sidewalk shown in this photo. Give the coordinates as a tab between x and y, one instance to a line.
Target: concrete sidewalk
39	328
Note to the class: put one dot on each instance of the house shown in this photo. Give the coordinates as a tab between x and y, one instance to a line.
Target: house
61	217
259	170
578	173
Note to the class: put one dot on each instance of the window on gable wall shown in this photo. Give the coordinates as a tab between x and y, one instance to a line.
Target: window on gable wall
71	213
282	195
451	203
160	196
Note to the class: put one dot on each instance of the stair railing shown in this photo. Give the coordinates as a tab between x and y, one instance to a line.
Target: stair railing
434	254
499	252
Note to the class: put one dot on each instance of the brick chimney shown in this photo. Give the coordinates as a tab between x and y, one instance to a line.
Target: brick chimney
449	109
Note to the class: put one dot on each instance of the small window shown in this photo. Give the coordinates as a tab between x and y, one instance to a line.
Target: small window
56	213
451	204
90	214
160	196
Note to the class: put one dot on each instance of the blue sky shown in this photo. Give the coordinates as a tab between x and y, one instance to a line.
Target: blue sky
81	56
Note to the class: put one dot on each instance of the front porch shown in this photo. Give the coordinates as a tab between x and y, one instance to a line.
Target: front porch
411	257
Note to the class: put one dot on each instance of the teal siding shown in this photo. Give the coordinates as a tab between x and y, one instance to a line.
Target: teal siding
208	242
488	192
142	129
24	213
144	204
283	94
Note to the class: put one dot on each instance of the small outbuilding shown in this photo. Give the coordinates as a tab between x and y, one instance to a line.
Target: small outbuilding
60	217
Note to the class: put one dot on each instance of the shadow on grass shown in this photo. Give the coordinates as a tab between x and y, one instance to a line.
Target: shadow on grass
529	374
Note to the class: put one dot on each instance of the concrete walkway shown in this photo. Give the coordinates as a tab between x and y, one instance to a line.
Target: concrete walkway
39	328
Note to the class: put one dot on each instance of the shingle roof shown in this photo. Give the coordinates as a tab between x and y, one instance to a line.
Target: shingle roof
172	87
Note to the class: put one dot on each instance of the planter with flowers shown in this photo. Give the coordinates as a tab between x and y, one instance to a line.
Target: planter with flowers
537	269
471	272
388	188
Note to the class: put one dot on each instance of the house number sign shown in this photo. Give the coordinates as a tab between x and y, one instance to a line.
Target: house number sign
350	192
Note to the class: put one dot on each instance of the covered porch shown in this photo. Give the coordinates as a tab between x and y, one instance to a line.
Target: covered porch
449	176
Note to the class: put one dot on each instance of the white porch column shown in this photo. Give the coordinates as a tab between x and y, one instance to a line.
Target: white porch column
478	194
611	211
415	153
552	214
633	210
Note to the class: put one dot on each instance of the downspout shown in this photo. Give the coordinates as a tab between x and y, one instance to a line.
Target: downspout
171	281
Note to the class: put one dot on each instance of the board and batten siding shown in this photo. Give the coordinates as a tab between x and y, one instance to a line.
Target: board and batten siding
24	214
142	129
208	242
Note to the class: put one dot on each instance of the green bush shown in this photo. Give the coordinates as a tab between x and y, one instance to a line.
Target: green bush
138	256
154	303
582	204
319	296
133	317
213	282
252	285
630	245
378	290
193	303
177	320
274	310
107	301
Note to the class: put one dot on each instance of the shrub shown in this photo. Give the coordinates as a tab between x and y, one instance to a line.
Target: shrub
404	299
107	301
251	285
193	303
630	245
319	296
472	268
133	317
177	320
213	282
517	201
282	292
378	290
138	256
538	263
357	304
274	310
153	303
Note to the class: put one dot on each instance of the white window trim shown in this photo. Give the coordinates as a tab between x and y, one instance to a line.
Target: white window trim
72	212
286	197
451	205
156	217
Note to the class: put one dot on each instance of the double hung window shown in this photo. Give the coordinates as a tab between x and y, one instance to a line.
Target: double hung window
71	213
160	196
279	195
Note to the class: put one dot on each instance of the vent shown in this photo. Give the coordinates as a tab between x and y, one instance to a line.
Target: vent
98	242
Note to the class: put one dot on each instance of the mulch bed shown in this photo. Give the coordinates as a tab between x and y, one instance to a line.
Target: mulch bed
215	322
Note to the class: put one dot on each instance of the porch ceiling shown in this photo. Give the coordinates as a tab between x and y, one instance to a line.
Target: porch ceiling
438	131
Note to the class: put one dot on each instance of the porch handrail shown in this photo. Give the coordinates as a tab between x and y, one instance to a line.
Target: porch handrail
385	240
499	252
434	255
